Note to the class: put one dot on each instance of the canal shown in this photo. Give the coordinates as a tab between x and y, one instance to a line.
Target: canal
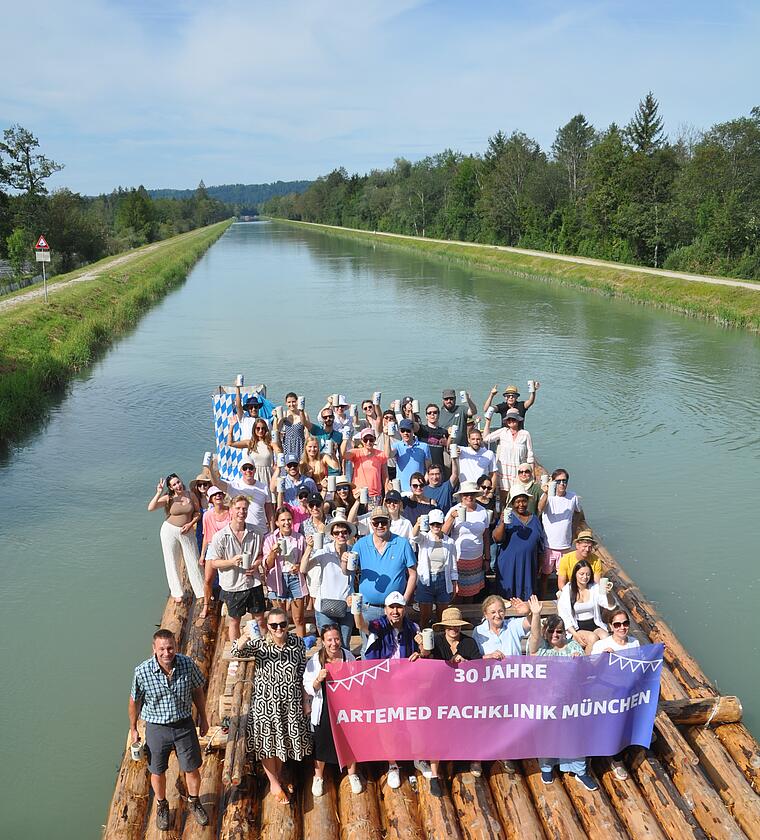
654	415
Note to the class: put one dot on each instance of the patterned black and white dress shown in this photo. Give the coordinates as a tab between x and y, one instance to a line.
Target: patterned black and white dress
276	723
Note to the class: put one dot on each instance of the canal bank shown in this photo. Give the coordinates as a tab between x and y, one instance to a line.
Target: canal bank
42	346
730	303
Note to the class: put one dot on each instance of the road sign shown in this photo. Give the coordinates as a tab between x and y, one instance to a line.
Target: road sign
43	256
42	244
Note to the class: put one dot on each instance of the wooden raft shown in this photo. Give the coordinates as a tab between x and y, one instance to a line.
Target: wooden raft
699	780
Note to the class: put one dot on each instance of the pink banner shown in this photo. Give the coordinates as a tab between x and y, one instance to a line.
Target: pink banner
518	707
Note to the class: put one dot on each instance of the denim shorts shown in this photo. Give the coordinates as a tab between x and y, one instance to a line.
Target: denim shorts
435	592
291	588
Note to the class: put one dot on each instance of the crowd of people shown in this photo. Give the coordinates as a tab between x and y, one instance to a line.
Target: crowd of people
375	520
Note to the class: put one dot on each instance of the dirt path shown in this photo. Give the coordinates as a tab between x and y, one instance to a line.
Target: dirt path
39	291
640	269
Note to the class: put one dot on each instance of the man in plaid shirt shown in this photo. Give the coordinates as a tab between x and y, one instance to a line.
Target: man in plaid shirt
163	691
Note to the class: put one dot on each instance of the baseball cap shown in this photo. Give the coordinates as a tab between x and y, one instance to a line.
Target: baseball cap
393	496
395	598
406	425
436	516
448	393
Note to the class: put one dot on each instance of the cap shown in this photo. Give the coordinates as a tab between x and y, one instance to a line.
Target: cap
586	536
315	499
436	516
291	460
406	400
213	490
247	462
395	598
365	433
393	496
448	392
406	425
254	401
513	414
380	512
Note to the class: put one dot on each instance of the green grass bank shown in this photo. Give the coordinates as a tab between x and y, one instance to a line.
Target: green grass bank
43	346
730	306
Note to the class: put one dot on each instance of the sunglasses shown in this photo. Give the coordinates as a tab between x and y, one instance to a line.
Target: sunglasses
341	532
524	471
247	469
484	487
313	504
380	522
561	480
328	416
303	495
203	484
432	411
368	439
278	625
621	623
418	486
558	630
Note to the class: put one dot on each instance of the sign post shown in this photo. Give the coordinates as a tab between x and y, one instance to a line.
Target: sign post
42	252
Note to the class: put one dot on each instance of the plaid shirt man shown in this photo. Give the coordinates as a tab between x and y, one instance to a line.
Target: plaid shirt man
166	698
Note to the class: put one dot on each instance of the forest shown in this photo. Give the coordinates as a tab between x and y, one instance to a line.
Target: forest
625	193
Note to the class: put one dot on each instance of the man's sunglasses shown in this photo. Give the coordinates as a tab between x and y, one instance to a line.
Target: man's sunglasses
278	625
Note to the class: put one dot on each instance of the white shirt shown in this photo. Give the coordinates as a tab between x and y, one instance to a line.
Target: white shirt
601	645
402	527
469	534
473	464
224	545
557	519
259	496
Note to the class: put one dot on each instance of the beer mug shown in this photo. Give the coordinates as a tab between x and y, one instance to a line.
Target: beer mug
278	412
239	380
137	750
531	386
392	428
605	584
424	523
335	398
507	514
280	459
206	459
453	451
282	544
461	515
331	483
463	397
552	488
396	484
340	513
319	540
416	406
346	432
301	403
246	560
364	495
545	480
453	431
376	397
428	640
356	603
351	558
327	446
399	416
352	410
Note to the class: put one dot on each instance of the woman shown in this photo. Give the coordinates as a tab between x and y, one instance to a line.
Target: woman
314	464
515	446
259	449
328	579
559	514
437	573
450	646
199	488
346	499
316	521
292	429
407	413
276	729
486	497
468	523
178	534
526	481
497	638
283	550
552	641
313	680
214	519
520	537
580	605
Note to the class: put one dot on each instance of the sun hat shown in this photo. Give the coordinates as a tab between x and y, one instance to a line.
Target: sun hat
436	515
449	393
395	598
253	400
452	617
380	512
213	490
525	466
513	414
202	477
341	481
339	520
518	491
406	425
468	487
511	389
586	536
365	433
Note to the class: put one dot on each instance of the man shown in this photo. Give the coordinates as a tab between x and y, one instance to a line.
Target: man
294	484
559	515
434	435
260	510
452	414
439	491
584	550
417	504
411	455
511	400
163	691
235	552
387	563
391	636
370	466
342	418
475	459
327	433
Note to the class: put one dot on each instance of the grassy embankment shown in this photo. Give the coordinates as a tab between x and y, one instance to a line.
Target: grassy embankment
42	347
728	305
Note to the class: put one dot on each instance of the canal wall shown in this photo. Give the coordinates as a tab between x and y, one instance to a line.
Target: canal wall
730	303
42	346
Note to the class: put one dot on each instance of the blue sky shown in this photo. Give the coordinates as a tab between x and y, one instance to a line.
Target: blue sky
167	93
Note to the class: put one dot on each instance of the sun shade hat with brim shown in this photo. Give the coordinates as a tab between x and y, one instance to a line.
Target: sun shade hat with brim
452	617
380	512
338	520
513	414
341	481
213	490
511	389
516	493
468	487
202	478
586	536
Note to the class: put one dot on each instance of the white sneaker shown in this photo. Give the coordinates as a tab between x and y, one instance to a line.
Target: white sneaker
476	769
318	786
618	768
356	783
394	776
424	768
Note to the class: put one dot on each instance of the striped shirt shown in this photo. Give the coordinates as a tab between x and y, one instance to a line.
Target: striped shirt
166	698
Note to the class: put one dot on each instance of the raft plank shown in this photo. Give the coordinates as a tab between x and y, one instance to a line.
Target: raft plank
514	803
210	793
475	808
280	822
554	808
595	811
701	712
359	813
320	815
438	815
176	794
629	804
400	812
242	811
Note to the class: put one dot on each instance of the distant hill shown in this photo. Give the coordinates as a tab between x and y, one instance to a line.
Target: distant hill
243	196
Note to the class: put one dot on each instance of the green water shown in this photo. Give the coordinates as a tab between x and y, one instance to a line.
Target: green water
655	416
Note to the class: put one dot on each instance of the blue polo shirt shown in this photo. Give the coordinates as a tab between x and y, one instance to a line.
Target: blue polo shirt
409	460
442	495
383	573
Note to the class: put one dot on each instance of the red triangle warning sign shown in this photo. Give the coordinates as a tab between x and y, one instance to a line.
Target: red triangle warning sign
42	243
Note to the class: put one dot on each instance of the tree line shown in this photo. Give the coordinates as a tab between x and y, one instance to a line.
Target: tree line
81	229
244	198
628	194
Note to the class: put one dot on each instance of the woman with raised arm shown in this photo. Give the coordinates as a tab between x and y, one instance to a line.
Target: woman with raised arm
292	428
178	534
276	729
283	552
520	539
468	522
580	604
259	448
315	464
214	519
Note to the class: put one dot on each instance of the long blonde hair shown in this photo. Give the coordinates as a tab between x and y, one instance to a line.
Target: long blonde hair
305	465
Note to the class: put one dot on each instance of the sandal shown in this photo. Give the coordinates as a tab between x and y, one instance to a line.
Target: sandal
281	798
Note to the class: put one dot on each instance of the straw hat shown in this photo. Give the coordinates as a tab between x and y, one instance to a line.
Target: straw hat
452	617
468	487
586	536
339	520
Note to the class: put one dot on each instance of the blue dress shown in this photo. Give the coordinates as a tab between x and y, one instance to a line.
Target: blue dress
517	560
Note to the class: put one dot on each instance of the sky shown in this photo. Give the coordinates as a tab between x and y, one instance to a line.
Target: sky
165	93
